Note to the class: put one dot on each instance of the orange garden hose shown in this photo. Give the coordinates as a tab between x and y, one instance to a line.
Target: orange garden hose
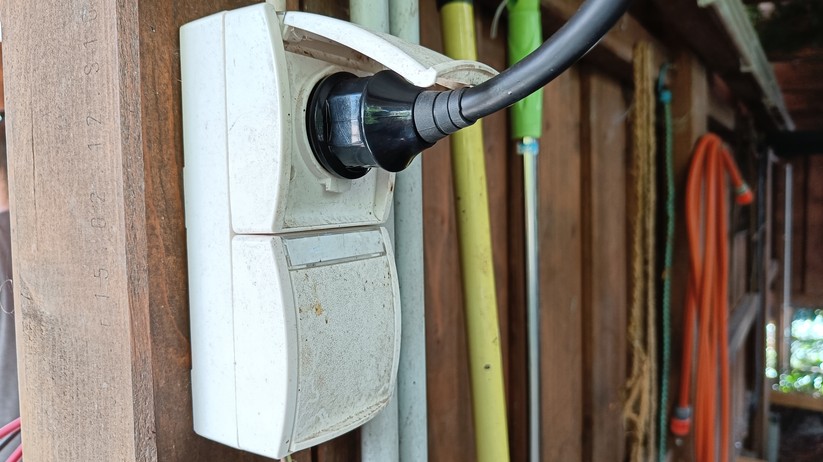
707	299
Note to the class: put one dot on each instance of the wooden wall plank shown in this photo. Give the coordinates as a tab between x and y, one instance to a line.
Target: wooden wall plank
78	230
796	401
345	448
517	384
814	230
561	270
604	265
517	387
614	53
760	422
802	193
690	109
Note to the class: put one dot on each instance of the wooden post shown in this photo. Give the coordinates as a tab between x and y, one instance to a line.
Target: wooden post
79	230
561	271
760	423
604	281
690	111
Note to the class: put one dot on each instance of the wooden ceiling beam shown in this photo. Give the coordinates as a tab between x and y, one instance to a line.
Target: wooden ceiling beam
728	45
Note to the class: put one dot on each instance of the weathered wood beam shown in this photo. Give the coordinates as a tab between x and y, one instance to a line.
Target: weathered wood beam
604	280
561	271
724	39
800	75
79	229
690	91
614	53
796	401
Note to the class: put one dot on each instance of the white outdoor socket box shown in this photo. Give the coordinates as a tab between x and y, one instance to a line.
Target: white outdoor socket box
294	298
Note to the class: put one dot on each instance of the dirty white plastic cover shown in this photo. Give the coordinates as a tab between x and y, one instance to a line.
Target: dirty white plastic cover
352	46
294	300
275	181
317	359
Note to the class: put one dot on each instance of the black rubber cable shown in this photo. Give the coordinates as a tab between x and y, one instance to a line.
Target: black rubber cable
579	35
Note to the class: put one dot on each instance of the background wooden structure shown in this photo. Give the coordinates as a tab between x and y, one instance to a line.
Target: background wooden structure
96	175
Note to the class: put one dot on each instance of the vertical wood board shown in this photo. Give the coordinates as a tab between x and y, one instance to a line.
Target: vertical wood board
78	230
604	265
561	270
814	230
690	109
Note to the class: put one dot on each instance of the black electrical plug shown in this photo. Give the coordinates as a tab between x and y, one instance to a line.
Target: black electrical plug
355	123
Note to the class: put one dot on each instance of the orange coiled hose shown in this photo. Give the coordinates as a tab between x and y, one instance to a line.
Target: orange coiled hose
707	298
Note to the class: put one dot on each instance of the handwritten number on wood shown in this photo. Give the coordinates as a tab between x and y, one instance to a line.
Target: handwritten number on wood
92	68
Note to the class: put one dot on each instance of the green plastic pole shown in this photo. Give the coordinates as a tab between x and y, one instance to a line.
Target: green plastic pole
525	36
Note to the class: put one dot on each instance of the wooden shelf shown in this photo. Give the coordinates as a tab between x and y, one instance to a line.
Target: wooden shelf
796	401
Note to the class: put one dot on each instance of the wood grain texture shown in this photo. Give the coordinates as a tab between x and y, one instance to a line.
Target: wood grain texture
717	48
802	87
561	270
345	448
760	423
78	230
517	382
802	193
796	401
613	54
604	304
813	270
690	109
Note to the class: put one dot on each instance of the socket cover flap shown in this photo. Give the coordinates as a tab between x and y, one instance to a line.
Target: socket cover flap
350	45
316	336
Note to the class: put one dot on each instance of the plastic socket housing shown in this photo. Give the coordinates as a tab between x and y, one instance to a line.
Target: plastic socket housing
294	298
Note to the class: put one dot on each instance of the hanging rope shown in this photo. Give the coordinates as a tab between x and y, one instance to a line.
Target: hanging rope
664	95
641	389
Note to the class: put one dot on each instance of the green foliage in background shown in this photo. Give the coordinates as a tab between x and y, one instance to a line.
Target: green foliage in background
793	26
806	362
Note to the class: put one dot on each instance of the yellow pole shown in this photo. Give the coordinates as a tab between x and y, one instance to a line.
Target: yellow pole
483	330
